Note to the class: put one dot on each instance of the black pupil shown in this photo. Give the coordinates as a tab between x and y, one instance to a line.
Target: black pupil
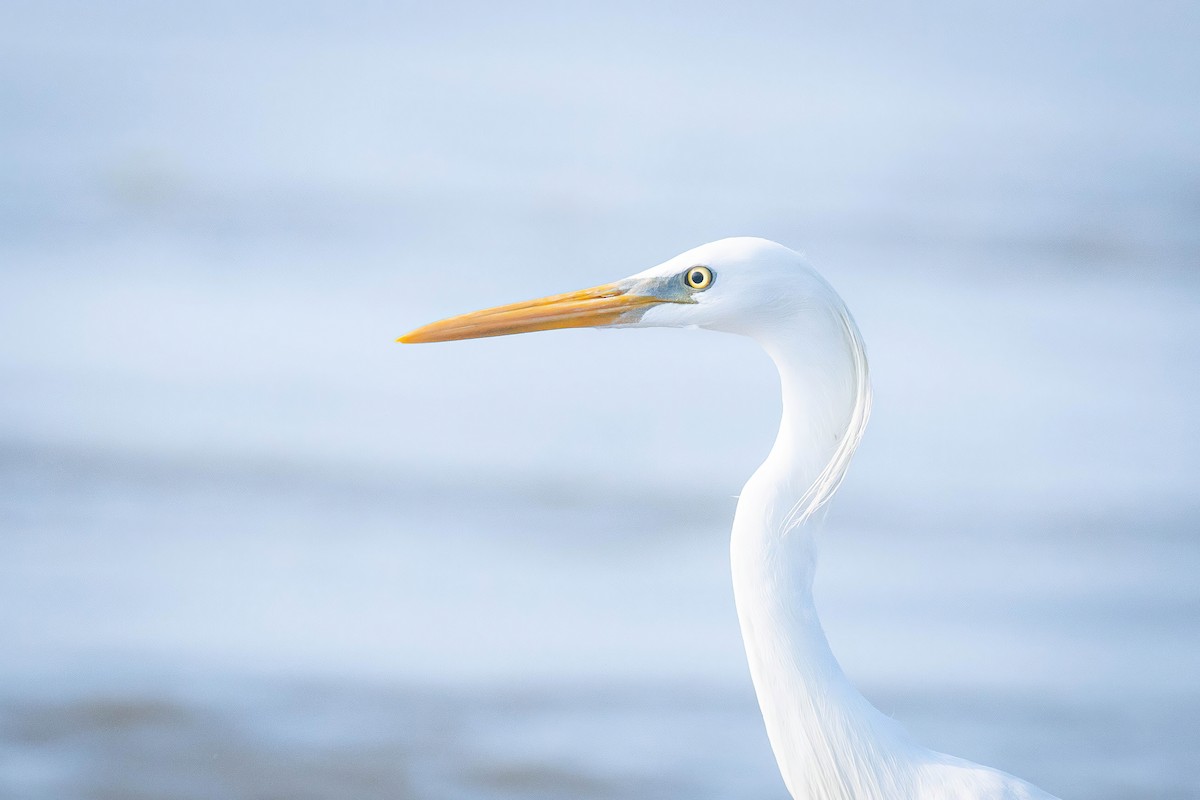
697	277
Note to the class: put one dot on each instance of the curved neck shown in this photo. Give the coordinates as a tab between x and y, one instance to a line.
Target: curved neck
829	741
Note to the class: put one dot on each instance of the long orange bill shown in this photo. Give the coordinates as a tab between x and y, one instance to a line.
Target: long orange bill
609	304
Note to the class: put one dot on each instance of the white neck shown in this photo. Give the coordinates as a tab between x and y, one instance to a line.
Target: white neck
831	744
829	741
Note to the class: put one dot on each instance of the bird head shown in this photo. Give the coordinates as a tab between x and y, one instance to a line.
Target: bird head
740	285
747	286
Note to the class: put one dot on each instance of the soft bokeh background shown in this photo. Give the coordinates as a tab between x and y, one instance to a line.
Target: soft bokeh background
251	548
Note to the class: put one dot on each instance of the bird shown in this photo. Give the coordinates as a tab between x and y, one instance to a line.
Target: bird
829	742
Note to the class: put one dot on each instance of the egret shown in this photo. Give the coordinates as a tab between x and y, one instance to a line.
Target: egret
829	741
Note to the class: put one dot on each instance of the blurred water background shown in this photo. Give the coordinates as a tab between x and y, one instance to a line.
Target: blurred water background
251	548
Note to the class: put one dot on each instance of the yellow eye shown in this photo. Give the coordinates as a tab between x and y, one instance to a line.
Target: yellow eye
698	278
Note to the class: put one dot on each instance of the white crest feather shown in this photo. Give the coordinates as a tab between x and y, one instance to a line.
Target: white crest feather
830	478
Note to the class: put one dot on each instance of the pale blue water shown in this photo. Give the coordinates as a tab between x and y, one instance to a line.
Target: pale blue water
249	547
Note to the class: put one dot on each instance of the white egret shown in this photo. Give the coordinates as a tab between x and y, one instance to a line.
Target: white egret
829	741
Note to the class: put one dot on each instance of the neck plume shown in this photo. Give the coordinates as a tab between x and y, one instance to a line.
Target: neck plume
826	405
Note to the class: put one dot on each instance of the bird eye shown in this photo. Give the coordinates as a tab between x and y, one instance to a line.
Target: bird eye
698	278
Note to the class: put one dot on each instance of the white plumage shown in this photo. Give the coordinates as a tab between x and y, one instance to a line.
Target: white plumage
830	743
